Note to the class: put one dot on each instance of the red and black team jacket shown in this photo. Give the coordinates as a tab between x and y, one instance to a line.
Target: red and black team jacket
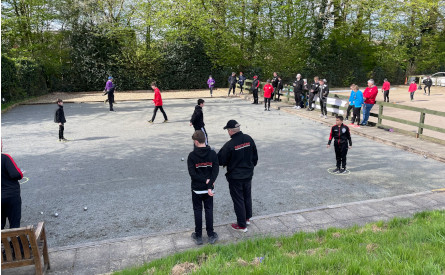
240	156
11	175
340	134
203	164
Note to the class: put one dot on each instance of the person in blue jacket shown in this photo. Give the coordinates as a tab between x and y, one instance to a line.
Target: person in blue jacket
357	101
241	80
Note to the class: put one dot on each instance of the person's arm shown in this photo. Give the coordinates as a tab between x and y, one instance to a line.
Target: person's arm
215	171
258	84
254	153
193	118
348	136
330	138
12	169
326	92
223	156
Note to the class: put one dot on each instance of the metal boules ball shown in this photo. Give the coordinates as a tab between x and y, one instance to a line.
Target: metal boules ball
85	208
182	159
56	214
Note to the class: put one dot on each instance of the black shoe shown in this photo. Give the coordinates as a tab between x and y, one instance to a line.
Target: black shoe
342	171
198	240
268	109
265	109
213	238
336	170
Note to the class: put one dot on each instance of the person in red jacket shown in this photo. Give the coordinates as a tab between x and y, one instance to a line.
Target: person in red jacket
157	101
369	96
268	90
385	90
412	88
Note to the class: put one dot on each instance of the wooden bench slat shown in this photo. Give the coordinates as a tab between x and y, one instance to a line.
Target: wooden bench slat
18	263
25	243
8	250
16	246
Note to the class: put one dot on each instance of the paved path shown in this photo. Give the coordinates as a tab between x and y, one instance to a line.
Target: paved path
112	255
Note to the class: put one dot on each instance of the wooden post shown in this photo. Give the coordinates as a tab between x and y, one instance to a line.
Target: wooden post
379	120
421	122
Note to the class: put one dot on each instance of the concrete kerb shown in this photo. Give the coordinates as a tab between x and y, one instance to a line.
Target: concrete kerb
287	108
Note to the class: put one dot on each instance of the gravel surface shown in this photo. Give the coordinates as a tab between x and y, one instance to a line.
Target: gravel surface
130	175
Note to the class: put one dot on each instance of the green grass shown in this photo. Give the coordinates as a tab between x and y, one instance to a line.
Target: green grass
401	246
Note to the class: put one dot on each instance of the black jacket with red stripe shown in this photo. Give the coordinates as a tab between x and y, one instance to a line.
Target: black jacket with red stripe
340	134
11	175
203	164
240	156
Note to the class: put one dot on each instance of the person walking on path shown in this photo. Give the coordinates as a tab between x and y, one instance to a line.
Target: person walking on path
232	83
324	92
385	90
315	88
203	168
240	156
109	91
357	102
59	118
241	80
11	199
197	120
268	90
428	83
255	85
412	89
211	83
275	81
157	101
298	90
341	135
369	96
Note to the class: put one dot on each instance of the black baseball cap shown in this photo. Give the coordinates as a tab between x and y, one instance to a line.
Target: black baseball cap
231	124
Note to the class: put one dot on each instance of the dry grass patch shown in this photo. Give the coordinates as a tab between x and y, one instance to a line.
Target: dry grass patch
371	247
184	268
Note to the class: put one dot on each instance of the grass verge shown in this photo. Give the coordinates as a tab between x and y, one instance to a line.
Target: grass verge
401	246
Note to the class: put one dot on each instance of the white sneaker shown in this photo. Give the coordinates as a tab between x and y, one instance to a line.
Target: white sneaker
325	117
321	115
298	107
295	107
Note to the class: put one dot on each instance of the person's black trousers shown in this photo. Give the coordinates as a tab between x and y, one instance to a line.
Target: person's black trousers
297	98
156	110
241	193
12	210
255	96
348	111
266	102
429	87
241	87
274	93
386	96
61	129
211	90
111	100
341	150
324	110
356	115
198	200
232	86
311	100
411	95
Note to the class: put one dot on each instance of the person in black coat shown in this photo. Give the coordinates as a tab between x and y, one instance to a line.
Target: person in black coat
315	88
323	94
11	200
255	85
232	83
298	91
428	83
274	83
59	117
197	119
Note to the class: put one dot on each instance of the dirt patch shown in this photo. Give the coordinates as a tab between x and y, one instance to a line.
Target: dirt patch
184	268
336	235
371	247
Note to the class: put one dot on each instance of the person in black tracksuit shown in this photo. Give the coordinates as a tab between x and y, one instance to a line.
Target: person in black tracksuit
323	94
232	83
59	117
11	200
428	83
197	119
298	90
274	85
255	85
203	169
241	80
279	88
315	88
240	156
341	135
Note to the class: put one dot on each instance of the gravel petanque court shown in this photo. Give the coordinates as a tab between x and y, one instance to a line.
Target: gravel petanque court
130	176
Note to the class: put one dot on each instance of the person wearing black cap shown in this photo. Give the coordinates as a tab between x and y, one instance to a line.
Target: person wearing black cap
241	80
197	120
203	169
232	83
240	156
255	85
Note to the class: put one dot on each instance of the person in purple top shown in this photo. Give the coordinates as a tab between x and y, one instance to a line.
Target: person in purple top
211	83
109	90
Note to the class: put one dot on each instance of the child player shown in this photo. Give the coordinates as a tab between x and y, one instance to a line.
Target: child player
203	169
268	90
157	101
412	89
341	135
59	117
211	83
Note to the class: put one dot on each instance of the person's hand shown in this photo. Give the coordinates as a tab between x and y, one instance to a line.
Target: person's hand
210	192
328	146
60	123
207	181
191	124
350	147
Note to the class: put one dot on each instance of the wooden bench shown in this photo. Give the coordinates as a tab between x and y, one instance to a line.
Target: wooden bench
25	246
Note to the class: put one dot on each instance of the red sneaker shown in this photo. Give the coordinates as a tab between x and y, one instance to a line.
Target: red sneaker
351	124
238	228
